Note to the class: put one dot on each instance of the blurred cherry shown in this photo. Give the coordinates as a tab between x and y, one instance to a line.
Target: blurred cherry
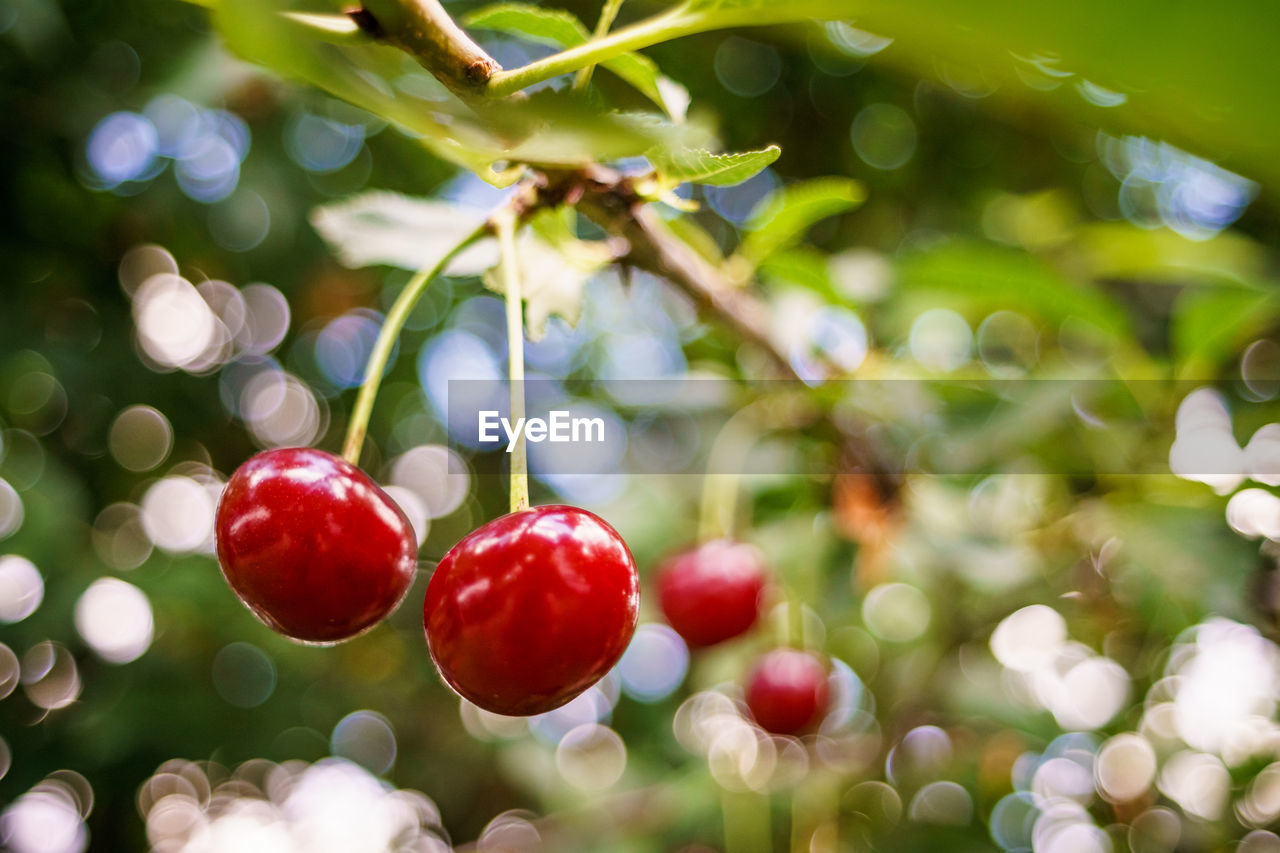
787	691
713	592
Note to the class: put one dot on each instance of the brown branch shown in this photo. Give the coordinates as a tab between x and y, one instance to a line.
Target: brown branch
610	201
424	30
704	282
873	517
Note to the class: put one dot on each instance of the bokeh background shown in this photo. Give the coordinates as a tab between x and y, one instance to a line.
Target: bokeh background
1050	607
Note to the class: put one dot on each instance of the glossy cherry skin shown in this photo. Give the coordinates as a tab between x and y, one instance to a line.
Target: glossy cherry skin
312	545
712	593
787	691
531	609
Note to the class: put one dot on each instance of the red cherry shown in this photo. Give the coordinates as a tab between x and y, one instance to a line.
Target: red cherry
712	593
531	609
787	691
314	548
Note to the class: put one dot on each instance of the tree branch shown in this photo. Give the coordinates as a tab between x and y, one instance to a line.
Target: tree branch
654	248
702	280
610	200
424	30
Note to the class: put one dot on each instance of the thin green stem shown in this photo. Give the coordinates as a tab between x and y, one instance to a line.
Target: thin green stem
719	506
607	16
672	24
725	459
799	839
505	226
746	822
795	619
387	335
657	29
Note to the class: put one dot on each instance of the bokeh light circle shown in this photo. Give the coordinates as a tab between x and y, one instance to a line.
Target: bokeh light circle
21	588
114	618
140	438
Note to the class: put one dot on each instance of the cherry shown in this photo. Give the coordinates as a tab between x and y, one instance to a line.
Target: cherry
787	691
312	545
713	592
531	609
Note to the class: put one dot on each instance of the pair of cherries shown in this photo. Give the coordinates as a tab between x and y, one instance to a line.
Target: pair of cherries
522	615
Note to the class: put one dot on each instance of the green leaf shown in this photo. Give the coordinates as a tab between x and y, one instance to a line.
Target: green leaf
559	28
781	220
413	233
330	27
258	32
1177	83
549	26
702	167
643	74
554	268
980	278
802	266
549	129
698	238
410	233
1122	250
560	130
1210	325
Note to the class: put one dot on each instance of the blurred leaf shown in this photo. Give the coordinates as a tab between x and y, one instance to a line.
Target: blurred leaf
1121	250
562	29
558	129
556	27
548	129
688	230
802	266
1210	325
259	33
1199	75
782	219
328	26
986	278
1177	84
642	73
702	167
387	228
554	268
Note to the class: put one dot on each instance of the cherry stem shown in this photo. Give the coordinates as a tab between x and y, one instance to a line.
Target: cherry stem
814	813
746	821
795	621
607	16
720	484
719	506
504	224
358	426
